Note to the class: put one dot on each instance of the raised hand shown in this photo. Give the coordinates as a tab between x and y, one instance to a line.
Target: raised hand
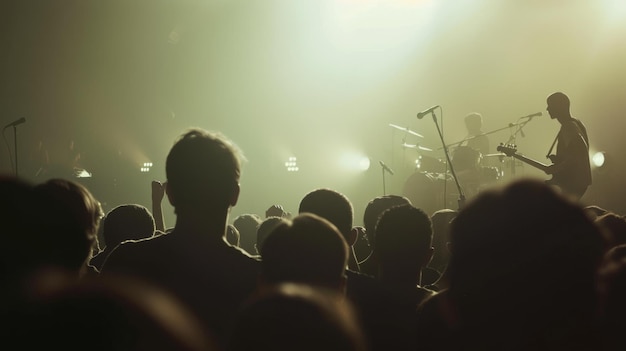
276	211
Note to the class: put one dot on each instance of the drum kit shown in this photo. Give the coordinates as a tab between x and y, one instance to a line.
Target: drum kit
431	185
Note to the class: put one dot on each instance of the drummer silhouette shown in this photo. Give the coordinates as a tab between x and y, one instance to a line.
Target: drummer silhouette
475	138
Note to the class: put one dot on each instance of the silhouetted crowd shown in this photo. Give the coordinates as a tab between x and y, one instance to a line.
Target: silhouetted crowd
520	267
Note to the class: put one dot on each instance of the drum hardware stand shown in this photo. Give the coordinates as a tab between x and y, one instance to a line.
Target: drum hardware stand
461	201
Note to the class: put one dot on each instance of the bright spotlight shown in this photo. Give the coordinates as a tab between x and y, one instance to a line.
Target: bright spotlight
354	161
598	159
81	173
364	164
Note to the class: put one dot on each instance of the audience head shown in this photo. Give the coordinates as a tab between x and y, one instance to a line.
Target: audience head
521	257
296	317
307	249
332	206
611	292
203	170
375	208
99	313
18	231
276	211
595	211
403	242
127	222
69	215
264	230
247	225
613	228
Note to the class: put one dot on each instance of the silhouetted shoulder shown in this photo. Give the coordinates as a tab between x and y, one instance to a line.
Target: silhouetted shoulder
172	249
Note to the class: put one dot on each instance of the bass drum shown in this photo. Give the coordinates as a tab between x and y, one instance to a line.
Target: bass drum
426	191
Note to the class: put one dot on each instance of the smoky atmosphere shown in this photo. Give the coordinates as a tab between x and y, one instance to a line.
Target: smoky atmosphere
344	94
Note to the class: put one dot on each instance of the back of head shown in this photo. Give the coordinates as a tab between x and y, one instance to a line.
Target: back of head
525	254
69	215
265	228
403	240
611	290
100	313
526	224
307	249
613	228
296	317
375	208
127	222
247	225
18	230
330	205
595	211
203	170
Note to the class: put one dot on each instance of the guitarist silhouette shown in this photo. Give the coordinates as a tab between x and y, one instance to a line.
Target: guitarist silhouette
570	168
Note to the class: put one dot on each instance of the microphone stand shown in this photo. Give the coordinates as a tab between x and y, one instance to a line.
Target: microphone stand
461	201
384	182
476	136
14	146
384	169
513	137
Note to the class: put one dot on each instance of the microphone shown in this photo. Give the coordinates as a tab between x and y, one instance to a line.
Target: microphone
533	115
385	167
425	112
15	123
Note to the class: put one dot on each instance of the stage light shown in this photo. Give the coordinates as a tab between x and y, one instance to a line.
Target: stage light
82	173
146	167
354	161
292	164
364	163
599	159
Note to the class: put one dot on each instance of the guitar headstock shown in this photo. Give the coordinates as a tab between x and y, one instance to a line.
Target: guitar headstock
507	149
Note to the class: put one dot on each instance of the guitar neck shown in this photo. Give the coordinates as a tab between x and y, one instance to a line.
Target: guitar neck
531	162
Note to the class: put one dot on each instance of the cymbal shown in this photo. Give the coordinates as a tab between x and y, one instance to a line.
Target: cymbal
406	130
493	155
416	146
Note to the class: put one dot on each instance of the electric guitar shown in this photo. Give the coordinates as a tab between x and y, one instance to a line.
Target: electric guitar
562	181
511	151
